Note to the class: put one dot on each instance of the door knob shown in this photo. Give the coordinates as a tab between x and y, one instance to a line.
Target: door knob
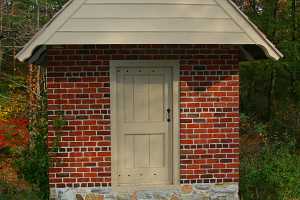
168	115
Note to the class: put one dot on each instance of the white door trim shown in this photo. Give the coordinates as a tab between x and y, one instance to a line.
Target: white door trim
174	64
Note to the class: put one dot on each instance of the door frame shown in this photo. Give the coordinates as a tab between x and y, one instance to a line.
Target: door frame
175	66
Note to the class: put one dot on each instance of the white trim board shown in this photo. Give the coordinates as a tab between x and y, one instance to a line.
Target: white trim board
144	22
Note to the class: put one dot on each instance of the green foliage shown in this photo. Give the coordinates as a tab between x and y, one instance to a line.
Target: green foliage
270	101
59	123
284	128
272	174
268	88
20	20
33	162
249	126
13	97
9	192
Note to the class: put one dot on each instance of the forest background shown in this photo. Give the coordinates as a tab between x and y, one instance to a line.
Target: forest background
270	104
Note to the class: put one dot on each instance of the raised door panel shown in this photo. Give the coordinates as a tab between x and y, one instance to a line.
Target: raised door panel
156	98
141	97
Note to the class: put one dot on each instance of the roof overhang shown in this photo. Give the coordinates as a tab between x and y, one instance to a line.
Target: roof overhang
150	22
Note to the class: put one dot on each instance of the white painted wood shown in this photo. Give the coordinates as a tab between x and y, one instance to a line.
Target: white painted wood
150	22
149	11
140	152
114	137
129	156
151	2
152	139
141	97
176	124
156	93
149	38
146	24
144	140
156	144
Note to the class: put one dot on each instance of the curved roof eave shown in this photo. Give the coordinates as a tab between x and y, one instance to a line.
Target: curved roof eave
253	34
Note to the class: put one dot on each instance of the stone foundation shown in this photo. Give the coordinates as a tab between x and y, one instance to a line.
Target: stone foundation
226	191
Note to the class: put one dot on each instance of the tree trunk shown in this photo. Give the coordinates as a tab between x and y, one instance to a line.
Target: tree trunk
37	14
294	20
1	31
271	92
275	12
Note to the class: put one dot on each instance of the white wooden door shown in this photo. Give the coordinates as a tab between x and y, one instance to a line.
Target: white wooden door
144	125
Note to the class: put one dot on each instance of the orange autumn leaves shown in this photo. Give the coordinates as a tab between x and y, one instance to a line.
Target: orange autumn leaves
13	133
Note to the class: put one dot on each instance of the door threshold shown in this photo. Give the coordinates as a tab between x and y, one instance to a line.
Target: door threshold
152	187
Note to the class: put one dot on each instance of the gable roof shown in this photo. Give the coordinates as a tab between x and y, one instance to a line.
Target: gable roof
149	22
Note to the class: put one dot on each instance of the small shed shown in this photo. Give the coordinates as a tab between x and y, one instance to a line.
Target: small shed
149	90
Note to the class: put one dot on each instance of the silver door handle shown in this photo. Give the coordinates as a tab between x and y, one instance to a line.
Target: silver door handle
168	115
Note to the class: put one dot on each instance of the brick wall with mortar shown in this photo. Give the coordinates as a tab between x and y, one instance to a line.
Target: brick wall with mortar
79	92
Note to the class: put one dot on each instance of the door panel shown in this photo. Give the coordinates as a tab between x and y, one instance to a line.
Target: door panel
128	99
144	133
140	96
141	151
156	98
156	147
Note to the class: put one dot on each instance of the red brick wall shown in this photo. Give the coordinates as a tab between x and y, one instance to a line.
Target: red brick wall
79	92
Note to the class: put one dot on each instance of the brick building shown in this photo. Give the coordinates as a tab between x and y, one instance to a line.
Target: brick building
149	91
